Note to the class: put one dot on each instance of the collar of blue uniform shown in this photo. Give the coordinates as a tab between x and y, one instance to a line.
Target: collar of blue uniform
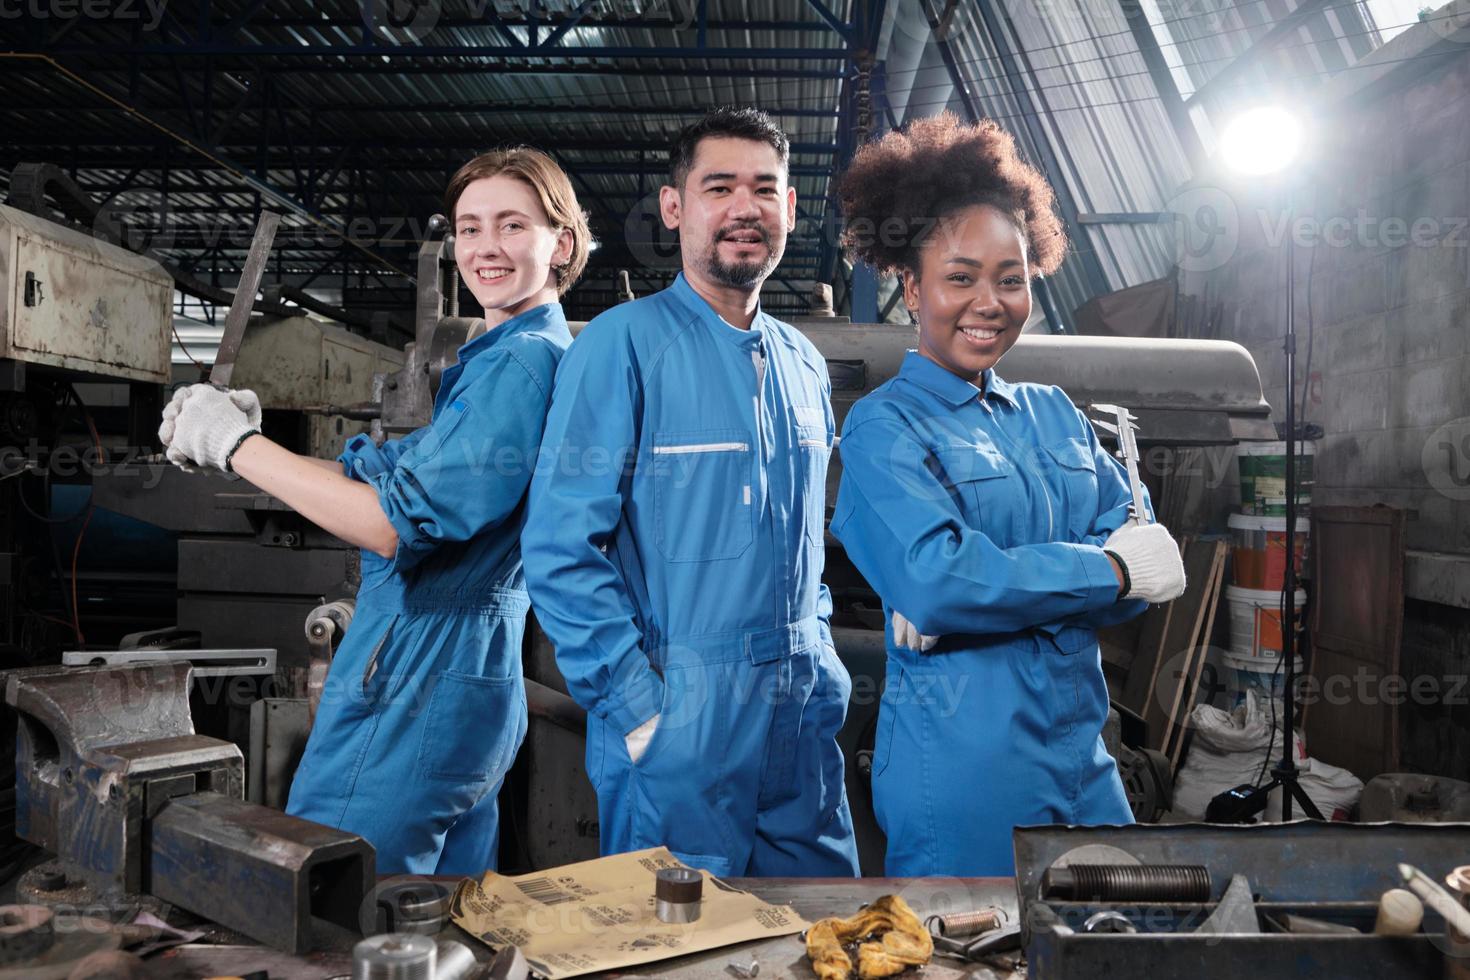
696	304
951	387
545	316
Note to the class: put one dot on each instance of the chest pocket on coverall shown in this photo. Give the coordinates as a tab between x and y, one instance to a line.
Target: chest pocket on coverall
814	452
976	476
1075	472
701	494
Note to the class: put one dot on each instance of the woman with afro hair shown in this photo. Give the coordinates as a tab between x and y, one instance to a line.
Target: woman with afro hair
986	515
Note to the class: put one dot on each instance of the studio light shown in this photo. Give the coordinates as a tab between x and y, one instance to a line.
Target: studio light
1261	141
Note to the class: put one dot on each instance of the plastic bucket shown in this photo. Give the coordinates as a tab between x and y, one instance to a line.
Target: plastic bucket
1255	621
1258	550
1260	674
1262	467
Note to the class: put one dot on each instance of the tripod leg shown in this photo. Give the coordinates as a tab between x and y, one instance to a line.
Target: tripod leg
1309	809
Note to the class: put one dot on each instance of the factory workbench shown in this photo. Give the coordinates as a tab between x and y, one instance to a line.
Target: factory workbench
813	899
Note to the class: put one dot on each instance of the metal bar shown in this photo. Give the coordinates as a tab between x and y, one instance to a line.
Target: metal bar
1018	67
257	870
1128	218
205	663
245	62
1163	79
951	66
454	51
1247	60
839	27
448	108
610	22
251	9
231	114
239	315
892	302
364	143
503	28
566	25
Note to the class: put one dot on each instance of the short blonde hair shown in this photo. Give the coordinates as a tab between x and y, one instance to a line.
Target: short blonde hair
552	187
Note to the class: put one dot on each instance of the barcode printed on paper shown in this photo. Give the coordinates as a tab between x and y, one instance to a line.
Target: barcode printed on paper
545	891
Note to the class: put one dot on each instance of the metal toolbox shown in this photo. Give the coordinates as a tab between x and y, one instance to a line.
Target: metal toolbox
1326	871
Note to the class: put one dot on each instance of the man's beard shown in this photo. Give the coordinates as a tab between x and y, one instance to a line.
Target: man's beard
741	275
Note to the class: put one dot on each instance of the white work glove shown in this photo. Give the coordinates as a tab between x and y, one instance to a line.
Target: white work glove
906	635
1152	568
639	738
203	425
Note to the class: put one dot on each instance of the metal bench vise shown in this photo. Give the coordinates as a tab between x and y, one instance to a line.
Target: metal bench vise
112	779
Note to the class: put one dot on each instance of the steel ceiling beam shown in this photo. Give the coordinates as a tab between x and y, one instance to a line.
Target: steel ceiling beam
216	49
245	64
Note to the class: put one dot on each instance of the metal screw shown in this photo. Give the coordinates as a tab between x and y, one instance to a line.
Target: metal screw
746	970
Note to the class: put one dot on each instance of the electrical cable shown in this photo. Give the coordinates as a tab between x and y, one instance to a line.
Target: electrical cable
77	548
180	341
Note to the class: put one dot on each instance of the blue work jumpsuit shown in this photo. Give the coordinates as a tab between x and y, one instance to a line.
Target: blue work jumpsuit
424	705
674	555
980	517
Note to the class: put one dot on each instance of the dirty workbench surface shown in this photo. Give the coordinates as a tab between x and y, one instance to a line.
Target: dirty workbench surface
812	898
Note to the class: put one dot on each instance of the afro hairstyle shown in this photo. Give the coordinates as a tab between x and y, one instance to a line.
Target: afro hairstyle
898	187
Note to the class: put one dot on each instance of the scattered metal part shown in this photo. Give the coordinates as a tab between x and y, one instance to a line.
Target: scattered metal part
455	962
1304	925
206	663
414	906
677	893
1127	883
509	964
1108	921
1125	427
958	925
742	968
394	956
980	947
244	301
113	780
1236	912
1435	897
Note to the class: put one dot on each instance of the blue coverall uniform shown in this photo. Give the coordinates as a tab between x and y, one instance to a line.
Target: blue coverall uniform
980	516
674	555
424	706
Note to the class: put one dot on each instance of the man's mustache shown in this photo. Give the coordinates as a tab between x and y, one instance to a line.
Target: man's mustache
760	230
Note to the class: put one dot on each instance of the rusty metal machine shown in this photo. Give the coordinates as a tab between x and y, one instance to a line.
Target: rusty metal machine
112	779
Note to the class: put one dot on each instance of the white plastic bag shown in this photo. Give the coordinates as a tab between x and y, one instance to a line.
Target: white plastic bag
1229	748
1332	790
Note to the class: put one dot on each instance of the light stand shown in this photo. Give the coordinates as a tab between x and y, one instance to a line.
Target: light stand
1284	774
1259	142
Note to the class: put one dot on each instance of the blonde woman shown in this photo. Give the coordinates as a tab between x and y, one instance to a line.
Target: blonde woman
424	707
